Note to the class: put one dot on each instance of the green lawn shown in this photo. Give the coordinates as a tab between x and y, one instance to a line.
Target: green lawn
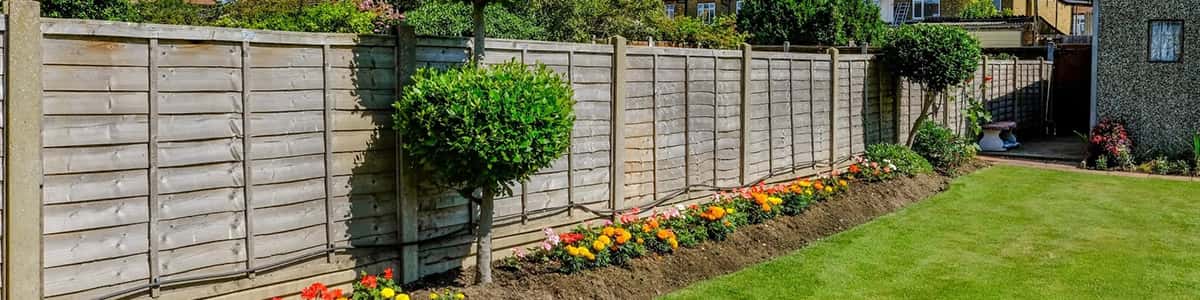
1004	232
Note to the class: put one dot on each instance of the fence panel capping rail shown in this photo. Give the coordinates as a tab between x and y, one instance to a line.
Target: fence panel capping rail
281	166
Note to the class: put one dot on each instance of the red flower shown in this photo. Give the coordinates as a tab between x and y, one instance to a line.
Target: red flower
570	238
387	273
987	78
854	169
332	294
312	291
369	281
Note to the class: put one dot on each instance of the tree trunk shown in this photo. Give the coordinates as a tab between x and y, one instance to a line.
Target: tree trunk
926	105
483	242
477	17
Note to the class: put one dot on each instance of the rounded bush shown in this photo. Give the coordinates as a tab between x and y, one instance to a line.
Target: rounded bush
907	161
484	127
941	147
936	56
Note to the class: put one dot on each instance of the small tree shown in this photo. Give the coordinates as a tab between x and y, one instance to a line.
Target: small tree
810	22
935	56
480	129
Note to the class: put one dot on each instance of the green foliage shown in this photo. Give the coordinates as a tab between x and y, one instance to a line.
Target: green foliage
692	32
936	56
453	19
979	9
112	10
941	147
811	22
177	12
478	127
1196	151
588	20
907	161
341	16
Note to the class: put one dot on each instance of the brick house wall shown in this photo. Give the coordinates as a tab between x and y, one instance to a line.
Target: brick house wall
1159	101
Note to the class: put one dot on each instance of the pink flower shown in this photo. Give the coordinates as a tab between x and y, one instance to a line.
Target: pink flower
520	253
547	246
551	238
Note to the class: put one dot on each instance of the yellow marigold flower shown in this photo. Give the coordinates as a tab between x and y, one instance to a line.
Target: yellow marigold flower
573	251
728	224
808	192
387	292
843	183
645	228
433	296
608	231
598	245
604	239
641	241
828	189
402	297
674	243
460	296
342	298
775	200
730	211
805	183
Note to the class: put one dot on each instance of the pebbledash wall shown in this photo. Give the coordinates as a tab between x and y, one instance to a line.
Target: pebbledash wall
1159	101
189	162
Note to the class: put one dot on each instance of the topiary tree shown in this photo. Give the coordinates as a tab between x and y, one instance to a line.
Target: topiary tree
482	128
935	56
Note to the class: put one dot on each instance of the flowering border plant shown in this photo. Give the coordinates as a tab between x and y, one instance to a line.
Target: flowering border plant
368	287
636	233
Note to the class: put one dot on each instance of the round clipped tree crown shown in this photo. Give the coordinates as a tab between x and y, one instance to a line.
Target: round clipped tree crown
484	127
936	56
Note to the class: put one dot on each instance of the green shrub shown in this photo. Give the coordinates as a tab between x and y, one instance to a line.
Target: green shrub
810	22
176	12
483	127
111	10
341	16
941	147
478	128
453	19
907	161
979	9
692	32
936	56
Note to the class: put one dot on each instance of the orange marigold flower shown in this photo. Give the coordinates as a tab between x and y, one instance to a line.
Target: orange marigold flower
653	224
759	198
664	234
766	207
608	231
854	168
818	185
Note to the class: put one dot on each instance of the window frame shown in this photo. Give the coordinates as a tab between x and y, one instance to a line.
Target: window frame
700	12
670	10
921	8
1150	41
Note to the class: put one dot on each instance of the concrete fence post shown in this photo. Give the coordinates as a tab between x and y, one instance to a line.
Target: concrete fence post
834	61
23	259
744	111
617	183
407	210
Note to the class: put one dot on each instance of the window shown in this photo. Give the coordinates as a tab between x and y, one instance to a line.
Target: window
999	4
671	11
706	12
738	7
1079	24
1166	41
926	9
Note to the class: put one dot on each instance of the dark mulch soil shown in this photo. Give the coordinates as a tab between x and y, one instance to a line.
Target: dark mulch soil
657	275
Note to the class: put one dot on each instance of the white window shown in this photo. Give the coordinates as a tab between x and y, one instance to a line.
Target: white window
1166	41
1079	24
706	12
926	9
738	8
671	11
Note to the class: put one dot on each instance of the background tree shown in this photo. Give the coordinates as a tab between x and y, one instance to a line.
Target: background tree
480	129
935	56
810	22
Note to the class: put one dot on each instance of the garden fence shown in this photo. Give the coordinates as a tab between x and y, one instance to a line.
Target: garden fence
188	162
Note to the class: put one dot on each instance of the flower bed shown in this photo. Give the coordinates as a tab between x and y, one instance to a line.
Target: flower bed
663	232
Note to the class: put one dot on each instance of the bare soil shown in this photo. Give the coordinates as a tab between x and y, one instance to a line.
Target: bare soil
652	276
